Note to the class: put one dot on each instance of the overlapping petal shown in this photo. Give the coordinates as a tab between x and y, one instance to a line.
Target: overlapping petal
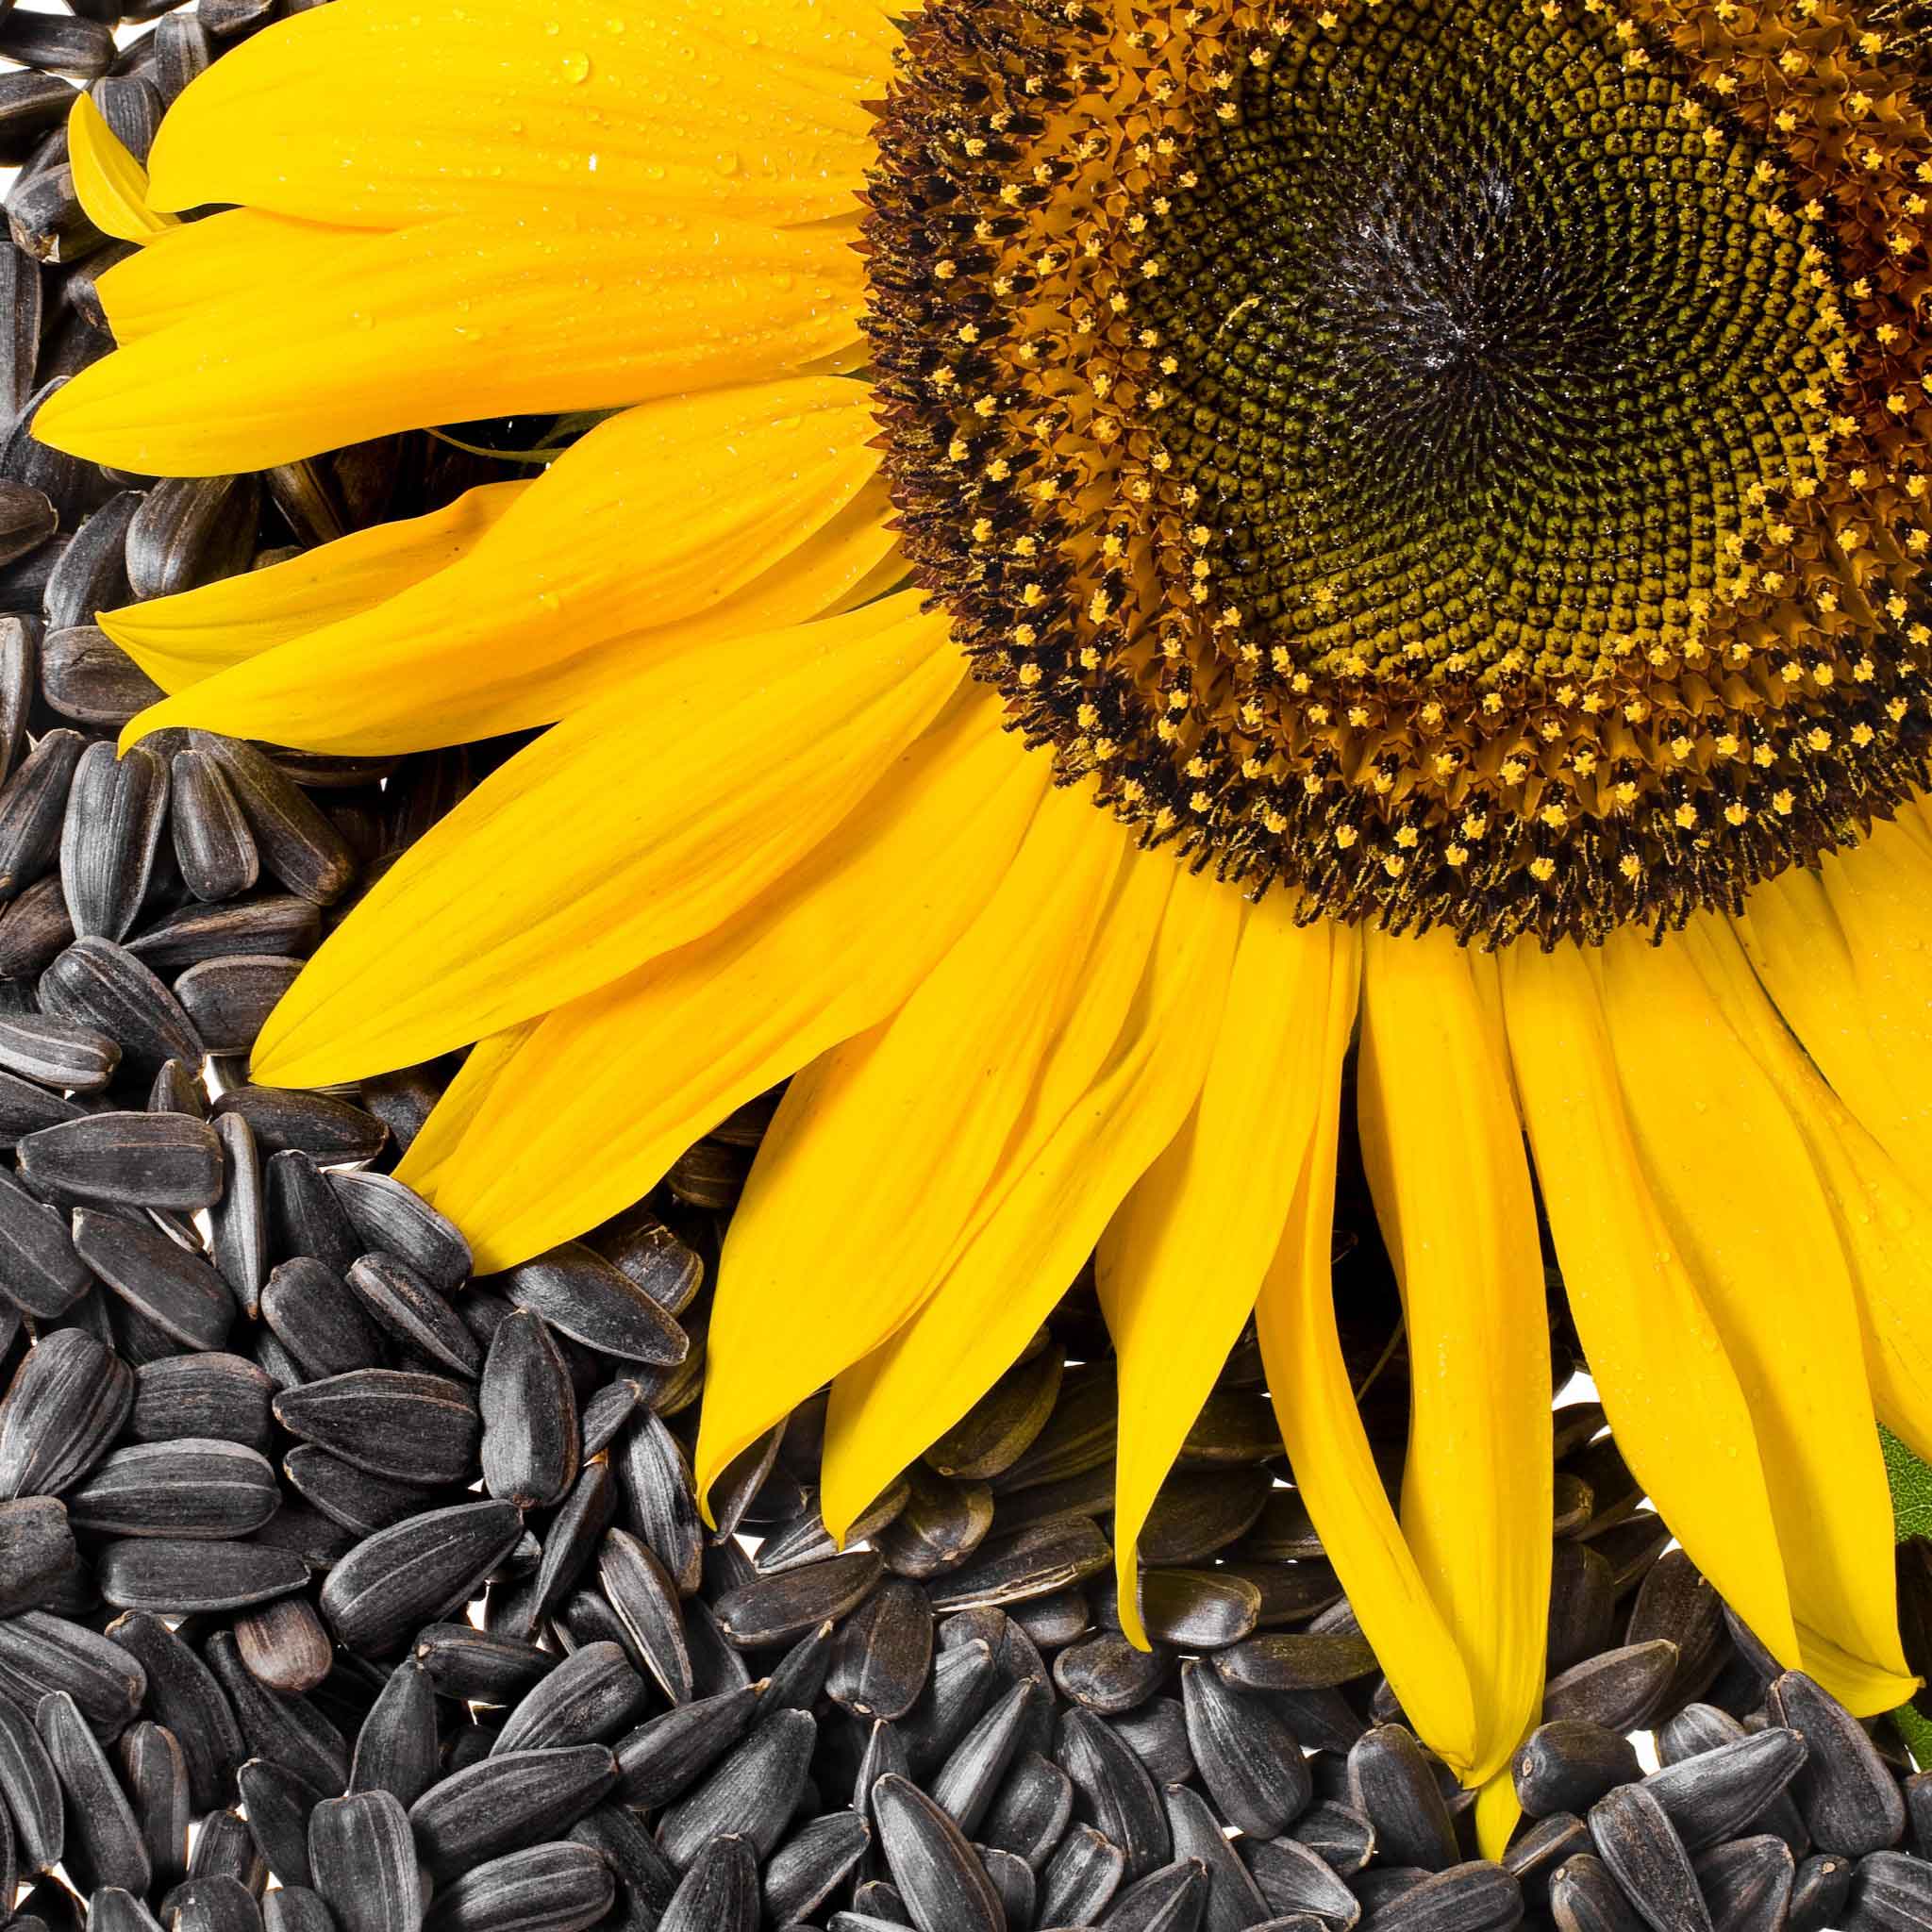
635	827
575	1117
461	318
364	115
658	515
1114	1090
1445	1155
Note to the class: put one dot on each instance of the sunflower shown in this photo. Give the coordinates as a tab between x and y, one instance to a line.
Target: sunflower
1129	552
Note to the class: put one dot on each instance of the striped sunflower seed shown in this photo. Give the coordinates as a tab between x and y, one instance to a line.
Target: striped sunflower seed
1031	1811
57	1053
126	1160
190	1487
65	1405
192	530
1113	1793
751	1794
271	923
1001	1426
293	1732
104	1844
639	1590
391	1422
154	1772
937	1874
213	847
175	1290
31	1790
396	1221
505	1803
1081	1878
1291	1878
285	1645
84	673
1845	1794
661	1497
1247	1758
1640	1849
296	843
117	805
102	985
39	1273
397	1747
295	1908
1033	1564
552	1888
883	1653
400	1578
364	1859
592	1300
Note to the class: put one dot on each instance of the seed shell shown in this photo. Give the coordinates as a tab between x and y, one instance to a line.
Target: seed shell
587	1699
944	1886
1247	1758
391	1422
751	1794
552	1888
1848	1798
117	805
190	1487
505	1803
1641	1850
400	1578
104	1846
592	1300
126	1160
65	1405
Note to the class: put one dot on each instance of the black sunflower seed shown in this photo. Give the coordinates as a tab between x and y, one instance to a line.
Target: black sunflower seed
1292	1659
1246	1756
34	928
1568	1764
637	1588
592	1300
319	1125
1234	1901
185	1697
213	1902
965	1785
364	1859
57	1053
279	1806
646	1879
1617	1689
1001	1426
587	1699
154	1771
39	1273
664	1758
1031	1811
272	924
804	1871
284	1644
528	1405
58	45
32	1793
606	1413
1641	1850
87	676
418	1570
175	1290
1113	1791
150	1572
804	1538
352	1498
27	519
1199	1513
114	1909
943	1884
1173	1899
223	1396
190	1487
552	1888
943	1522
774	1608
31	106
126	1159
229	1000
104	1845
1747	1884
883	1653
1714	1794
27	1108
505	1803
1081	1878
318	1320
1472	1898
397	1747
1846	1795
296	843
396	1221
116	806
750	1794
1033	1564
38	1556
719	1893
479	1666
213	847
1157	1735
92	574
33	806
412	1312
1105	1672
65	1405
295	1908
290	1731
1292	1878
391	1422
1820	1893
192	530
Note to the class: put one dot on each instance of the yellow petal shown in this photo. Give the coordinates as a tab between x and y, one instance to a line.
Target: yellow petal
461	318
1221	1189
692	497
863	1174
1745	1206
1096	1124
1846	952
481	1072
1328	1447
170	280
376	117
180	641
629	829
110	184
1675	1404
613	1087
1444	1156
1497	1815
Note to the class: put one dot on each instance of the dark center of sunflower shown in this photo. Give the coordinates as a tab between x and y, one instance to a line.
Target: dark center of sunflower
1419	454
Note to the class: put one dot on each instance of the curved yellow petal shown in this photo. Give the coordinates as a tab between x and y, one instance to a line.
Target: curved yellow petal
629	829
1679	1416
686	500
173	278
607	1091
1745	1206
1328	1447
183	639
1498	1812
1096	1123
376	117
1180	1265
110	184
455	320
1846	952
481	1073
1445	1155
863	1174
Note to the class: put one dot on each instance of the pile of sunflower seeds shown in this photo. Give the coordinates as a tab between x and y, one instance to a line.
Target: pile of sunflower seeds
340	1591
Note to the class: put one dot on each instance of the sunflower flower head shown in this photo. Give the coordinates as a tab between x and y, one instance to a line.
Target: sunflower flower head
1143	575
